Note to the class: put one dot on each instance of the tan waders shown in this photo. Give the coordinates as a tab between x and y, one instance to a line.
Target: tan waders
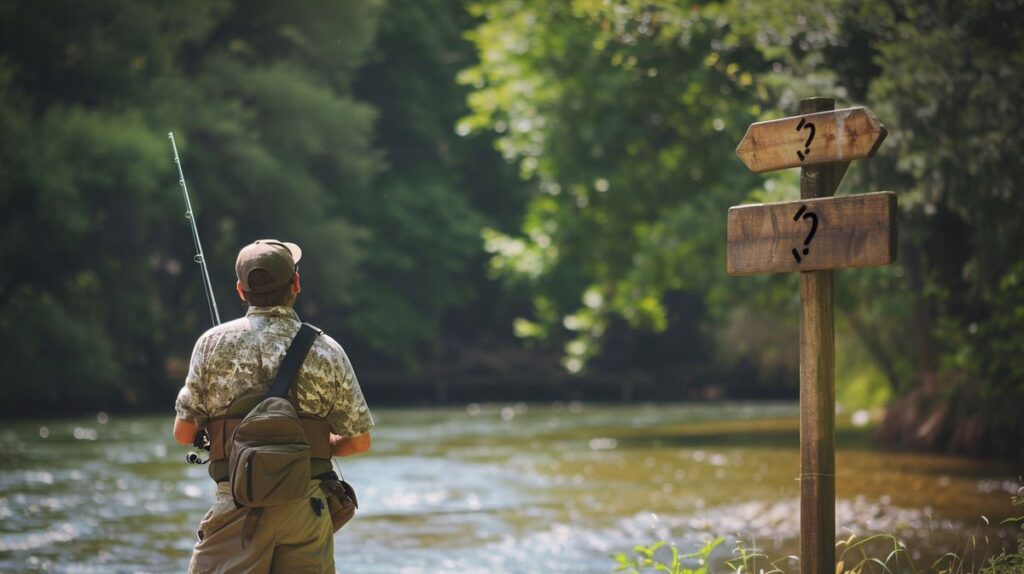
296	537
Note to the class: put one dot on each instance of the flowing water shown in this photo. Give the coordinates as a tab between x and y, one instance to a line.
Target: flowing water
497	488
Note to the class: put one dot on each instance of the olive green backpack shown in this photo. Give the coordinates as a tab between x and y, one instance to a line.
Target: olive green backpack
269	461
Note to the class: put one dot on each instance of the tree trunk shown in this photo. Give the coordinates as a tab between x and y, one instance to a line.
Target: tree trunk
921	417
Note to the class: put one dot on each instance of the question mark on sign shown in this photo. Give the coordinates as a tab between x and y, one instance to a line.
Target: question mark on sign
810	137
810	235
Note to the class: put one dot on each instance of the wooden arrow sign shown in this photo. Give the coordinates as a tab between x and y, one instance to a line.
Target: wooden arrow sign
812	234
833	136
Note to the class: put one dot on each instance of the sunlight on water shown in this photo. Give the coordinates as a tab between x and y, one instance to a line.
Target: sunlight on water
493	488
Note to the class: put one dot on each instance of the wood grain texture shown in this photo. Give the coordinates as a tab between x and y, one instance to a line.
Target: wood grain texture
852	231
817	423
838	135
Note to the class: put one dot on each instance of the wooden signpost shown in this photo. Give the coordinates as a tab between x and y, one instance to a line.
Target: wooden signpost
823	137
814	235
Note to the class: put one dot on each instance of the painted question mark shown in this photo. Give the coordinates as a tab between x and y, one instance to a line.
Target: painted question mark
810	137
810	235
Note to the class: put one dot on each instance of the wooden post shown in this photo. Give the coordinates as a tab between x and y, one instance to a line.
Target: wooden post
817	385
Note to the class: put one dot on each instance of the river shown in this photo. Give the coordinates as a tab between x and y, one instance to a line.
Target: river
497	488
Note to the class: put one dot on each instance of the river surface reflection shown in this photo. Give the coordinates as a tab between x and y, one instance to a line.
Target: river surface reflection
496	488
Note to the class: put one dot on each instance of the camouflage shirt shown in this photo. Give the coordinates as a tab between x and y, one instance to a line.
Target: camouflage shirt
244	354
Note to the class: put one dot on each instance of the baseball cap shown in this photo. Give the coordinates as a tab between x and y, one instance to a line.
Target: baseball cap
278	258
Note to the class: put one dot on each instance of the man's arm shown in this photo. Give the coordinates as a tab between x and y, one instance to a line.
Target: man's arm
191	413
348	414
349	445
185	432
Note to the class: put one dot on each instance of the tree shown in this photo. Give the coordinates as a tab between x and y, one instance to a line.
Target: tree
948	75
622	116
100	304
616	113
424	261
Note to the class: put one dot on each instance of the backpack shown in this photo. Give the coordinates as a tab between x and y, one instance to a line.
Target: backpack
269	461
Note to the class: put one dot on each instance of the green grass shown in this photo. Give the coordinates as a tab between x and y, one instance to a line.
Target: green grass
876	554
643	559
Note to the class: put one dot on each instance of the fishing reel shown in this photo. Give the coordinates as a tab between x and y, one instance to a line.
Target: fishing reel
201	442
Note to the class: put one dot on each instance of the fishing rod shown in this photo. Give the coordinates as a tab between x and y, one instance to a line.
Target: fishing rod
202	440
199	257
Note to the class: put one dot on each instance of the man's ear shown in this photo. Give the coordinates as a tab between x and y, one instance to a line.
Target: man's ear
296	288
238	287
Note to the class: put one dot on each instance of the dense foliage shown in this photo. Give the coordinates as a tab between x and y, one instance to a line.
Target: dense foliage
101	301
622	115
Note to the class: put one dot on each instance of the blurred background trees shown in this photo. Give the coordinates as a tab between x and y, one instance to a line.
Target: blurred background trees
622	116
484	187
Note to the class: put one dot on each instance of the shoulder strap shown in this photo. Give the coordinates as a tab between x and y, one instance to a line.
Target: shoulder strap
293	359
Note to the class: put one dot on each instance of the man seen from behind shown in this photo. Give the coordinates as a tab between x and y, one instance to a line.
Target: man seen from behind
232	367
